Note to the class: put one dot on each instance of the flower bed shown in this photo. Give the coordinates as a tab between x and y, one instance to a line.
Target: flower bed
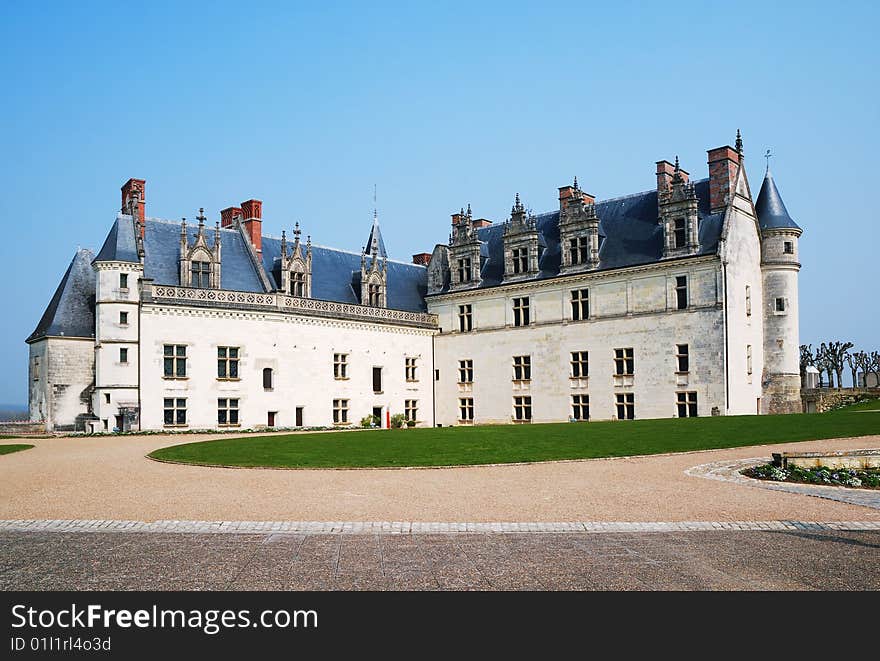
858	478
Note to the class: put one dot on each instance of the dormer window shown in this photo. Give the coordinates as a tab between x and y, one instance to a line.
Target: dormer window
296	266
374	291
579	250
201	275
464	269
520	260
680	233
297	284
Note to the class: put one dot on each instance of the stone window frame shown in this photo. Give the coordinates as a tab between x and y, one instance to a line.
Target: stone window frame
410	410
624	361
580	364
521	306
679	233
465	318
36	369
123	355
268	379
682	292
340	366
748	300
580	304
228	414
411	369
682	356
580	405
340	411
175	356
225	358
780	305
522	368
465	370
625	403
200	273
522	408
579	249
466	410
177	409
520	260
123	318
298	284
464	265
788	247
749	361
686	404
123	282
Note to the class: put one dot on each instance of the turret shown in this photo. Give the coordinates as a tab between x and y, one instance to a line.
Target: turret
779	271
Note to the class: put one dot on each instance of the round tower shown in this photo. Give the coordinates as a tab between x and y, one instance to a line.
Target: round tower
781	384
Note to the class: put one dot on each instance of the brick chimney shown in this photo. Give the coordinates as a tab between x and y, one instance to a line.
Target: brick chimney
456	219
422	258
131	187
252	219
228	215
568	194
665	172
723	168
480	222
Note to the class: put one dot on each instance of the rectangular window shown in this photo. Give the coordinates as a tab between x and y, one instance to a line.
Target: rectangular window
681	292
201	275
340	411
227	362
123	355
340	365
580	304
465	371
227	411
580	365
411	369
174	361
410	409
748	301
436	375
749	359
464	269
580	407
175	411
686	403
680	233
465	318
297	284
36	368
522	368
780	305
268	378
377	379
682	358
520	260
123	280
788	248
106	397
522	408
579	250
466	409
626	406
373	294
123	318
623	362
521	311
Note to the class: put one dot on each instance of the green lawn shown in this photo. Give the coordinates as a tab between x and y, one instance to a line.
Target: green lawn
512	443
870	405
9	449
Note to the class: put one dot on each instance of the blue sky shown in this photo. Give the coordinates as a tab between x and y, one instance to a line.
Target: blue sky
307	106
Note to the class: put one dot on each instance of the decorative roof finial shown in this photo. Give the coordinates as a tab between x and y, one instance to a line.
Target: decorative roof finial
201	216
297	231
677	167
576	182
469	210
739	143
768	156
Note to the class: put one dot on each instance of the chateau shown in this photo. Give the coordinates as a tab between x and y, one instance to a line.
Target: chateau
674	302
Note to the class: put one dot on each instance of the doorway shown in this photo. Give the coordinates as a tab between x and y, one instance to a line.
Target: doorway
299	416
120	423
271	421
377	414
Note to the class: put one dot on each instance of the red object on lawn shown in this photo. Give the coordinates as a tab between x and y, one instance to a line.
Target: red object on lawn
387	419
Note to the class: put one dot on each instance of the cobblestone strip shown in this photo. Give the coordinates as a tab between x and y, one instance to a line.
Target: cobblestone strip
729	471
416	528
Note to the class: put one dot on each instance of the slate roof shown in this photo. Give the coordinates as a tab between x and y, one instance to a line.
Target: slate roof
71	312
333	271
770	208
629	235
376	233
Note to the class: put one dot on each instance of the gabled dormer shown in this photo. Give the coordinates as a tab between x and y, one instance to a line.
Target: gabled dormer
520	244
374	278
677	207
464	252
199	262
296	266
578	230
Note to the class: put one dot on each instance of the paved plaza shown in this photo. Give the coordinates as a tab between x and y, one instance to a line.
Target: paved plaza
787	559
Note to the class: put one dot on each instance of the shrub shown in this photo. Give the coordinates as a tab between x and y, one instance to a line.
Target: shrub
397	420
410	423
843	477
370	421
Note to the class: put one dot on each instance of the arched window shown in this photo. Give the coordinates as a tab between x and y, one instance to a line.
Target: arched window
267	378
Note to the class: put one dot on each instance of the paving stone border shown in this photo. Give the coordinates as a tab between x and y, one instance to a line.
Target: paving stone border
729	471
416	527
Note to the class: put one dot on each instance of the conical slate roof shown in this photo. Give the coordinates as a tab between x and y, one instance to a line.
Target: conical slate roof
376	234
772	214
71	312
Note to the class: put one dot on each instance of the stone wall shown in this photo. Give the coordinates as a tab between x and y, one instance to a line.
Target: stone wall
821	400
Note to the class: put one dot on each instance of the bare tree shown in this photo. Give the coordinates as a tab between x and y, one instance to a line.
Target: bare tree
823	364
836	355
807	359
873	367
854	362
